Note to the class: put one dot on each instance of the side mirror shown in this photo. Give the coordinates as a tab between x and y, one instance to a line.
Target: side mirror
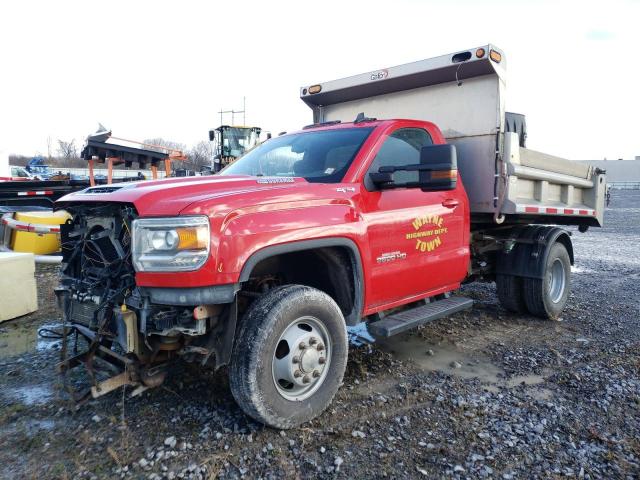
212	135
437	170
382	179
441	172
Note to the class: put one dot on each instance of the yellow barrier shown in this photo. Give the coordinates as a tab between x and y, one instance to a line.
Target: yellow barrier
38	243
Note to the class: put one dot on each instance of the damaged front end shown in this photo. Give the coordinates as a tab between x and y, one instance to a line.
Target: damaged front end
133	333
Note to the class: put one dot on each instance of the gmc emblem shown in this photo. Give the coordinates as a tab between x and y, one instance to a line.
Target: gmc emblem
380	74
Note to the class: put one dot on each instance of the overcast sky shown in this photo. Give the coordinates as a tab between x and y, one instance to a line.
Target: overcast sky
164	69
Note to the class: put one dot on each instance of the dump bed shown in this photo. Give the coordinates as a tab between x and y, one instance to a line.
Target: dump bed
464	95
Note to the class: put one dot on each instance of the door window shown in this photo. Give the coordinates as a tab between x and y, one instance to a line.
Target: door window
402	147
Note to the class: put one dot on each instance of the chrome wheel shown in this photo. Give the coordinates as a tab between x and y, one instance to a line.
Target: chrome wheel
301	359
556	281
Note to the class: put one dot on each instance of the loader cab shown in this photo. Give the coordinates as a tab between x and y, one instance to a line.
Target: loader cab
231	142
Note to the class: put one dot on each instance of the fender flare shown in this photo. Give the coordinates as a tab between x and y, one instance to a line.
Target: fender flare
354	317
531	251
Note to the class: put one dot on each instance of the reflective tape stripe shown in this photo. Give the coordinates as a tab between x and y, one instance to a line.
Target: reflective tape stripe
36	192
29	227
554	210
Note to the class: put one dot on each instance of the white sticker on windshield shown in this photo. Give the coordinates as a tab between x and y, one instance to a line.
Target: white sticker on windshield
329	170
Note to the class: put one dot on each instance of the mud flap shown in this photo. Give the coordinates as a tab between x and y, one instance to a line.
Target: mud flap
527	249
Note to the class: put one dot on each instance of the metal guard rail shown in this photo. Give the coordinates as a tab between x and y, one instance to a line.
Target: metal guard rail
9	223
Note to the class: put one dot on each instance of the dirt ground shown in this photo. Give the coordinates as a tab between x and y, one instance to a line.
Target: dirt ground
484	394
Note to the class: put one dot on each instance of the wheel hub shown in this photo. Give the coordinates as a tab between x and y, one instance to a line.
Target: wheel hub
556	281
301	359
310	360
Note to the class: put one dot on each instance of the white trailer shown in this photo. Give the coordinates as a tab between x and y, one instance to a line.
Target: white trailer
464	95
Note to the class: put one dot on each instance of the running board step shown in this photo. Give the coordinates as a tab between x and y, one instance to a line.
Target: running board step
408	319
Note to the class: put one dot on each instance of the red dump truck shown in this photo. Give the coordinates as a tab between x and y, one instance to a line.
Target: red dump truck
411	181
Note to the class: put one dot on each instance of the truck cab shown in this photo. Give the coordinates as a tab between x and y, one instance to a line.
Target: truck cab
353	218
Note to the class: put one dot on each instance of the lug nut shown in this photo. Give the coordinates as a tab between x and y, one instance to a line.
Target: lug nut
322	360
313	341
297	373
296	360
320	347
302	346
316	373
306	379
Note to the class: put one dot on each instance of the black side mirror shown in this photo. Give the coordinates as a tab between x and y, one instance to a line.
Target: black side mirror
382	179
437	170
212	135
441	172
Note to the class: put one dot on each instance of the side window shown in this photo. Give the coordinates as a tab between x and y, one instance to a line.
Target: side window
402	147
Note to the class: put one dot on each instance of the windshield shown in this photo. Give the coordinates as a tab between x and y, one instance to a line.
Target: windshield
320	156
237	140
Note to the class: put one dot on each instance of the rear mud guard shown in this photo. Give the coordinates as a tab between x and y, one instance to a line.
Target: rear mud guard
526	251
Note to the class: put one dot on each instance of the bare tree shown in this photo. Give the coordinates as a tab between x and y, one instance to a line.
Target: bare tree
161	142
49	147
201	154
67	150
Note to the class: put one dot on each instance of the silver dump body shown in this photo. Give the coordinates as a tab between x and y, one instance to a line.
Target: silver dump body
464	95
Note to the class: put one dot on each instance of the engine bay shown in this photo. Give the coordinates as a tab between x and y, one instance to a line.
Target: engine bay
101	302
99	278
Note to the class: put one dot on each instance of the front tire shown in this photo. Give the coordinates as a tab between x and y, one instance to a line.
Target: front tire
546	297
289	357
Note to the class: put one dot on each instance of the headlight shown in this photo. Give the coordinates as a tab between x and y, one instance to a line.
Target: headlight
170	244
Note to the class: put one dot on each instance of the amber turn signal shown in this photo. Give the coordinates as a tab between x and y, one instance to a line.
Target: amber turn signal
480	53
191	238
444	174
495	56
315	89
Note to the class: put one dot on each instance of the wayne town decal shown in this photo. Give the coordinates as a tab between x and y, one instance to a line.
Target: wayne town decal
427	232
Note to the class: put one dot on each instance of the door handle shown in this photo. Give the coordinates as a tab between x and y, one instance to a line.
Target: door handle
450	203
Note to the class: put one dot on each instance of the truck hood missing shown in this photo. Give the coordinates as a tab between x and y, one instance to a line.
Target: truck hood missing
173	196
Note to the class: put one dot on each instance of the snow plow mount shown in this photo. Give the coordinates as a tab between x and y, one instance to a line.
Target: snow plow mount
98	358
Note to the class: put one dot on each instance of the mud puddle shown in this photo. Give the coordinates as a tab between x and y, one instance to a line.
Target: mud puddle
17	339
30	395
465	359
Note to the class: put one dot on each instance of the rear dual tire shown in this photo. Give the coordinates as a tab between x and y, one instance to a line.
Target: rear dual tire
511	293
543	297
546	297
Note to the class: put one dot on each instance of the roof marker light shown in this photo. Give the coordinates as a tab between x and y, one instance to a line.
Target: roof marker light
495	56
315	89
480	53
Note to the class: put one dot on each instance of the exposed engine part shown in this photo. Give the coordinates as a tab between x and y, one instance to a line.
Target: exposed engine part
131	340
96	258
167	343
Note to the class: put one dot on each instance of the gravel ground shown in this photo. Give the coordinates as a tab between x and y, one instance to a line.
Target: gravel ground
484	394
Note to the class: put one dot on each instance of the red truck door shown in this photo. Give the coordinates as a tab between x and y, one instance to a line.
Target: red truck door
417	239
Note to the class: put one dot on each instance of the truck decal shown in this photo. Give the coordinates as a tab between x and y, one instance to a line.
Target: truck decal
435	228
391	256
275	180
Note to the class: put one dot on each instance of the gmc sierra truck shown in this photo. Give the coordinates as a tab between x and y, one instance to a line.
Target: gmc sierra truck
411	181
